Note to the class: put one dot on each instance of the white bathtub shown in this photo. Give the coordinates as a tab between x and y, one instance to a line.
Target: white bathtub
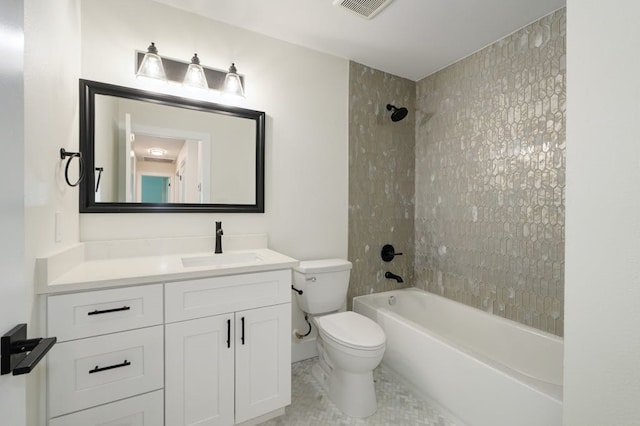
486	370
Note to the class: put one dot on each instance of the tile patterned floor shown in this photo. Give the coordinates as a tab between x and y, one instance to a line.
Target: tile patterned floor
397	406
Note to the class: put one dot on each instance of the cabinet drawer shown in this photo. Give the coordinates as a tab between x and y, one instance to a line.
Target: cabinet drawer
88	372
77	315
143	410
212	296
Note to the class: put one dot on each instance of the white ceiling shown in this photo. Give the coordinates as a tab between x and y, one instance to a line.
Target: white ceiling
410	38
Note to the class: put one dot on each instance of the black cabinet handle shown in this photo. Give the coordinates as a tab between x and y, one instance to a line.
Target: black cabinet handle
228	333
110	367
242	335
108	311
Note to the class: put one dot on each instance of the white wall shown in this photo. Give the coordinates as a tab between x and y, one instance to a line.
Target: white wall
51	120
51	71
602	293
303	92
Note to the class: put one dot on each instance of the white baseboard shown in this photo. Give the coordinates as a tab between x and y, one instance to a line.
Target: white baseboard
263	418
303	349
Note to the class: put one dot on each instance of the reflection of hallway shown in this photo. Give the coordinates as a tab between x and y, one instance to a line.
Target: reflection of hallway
209	156
172	166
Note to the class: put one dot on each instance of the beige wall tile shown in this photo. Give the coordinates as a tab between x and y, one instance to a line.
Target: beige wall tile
490	177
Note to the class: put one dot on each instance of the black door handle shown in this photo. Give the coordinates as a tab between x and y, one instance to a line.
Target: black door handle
14	346
228	333
242	335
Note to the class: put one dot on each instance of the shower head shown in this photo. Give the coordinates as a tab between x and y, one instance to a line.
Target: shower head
398	113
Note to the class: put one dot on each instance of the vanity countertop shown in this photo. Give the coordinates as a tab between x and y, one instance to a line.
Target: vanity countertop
82	273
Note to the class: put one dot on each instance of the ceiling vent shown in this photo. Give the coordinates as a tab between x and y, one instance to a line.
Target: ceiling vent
159	160
366	9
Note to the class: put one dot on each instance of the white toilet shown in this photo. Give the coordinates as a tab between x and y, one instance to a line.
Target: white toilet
350	345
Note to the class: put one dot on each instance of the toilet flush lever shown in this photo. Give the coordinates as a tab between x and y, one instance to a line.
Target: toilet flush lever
312	279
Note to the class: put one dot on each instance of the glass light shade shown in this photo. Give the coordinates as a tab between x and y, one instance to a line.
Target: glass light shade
195	75
151	66
233	83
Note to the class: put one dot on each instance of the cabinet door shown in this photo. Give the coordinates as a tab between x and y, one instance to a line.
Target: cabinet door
263	360
199	384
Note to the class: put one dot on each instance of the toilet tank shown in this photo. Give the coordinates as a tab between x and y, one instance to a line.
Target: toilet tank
324	284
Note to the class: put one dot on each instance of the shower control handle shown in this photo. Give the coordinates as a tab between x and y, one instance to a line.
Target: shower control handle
388	253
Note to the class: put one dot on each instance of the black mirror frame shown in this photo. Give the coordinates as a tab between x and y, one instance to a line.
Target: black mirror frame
88	90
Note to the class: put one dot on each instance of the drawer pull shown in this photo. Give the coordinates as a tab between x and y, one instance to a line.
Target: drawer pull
110	367
108	311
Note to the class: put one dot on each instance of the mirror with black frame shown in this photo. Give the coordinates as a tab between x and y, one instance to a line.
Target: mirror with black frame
152	152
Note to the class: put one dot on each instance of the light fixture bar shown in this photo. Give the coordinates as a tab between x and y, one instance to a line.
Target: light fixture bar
175	71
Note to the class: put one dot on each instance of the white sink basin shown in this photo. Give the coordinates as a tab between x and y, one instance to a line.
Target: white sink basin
221	259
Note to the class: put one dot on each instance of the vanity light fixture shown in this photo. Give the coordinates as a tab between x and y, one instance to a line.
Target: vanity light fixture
189	74
233	83
151	66
195	74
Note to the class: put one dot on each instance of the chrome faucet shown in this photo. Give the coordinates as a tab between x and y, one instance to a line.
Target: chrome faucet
219	233
393	276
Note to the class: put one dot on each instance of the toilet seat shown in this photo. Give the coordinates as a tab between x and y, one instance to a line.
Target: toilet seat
351	330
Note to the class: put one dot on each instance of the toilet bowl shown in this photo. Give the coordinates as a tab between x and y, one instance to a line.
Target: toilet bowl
349	345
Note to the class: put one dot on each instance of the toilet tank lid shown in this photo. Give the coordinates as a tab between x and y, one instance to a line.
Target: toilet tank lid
323	265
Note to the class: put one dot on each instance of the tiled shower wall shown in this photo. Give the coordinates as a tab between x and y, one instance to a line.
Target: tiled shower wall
490	177
381	179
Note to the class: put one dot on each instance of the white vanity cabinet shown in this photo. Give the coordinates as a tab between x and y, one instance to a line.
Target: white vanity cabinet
206	351
232	363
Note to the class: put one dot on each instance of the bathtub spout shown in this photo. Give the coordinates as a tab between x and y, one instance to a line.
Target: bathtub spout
393	277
